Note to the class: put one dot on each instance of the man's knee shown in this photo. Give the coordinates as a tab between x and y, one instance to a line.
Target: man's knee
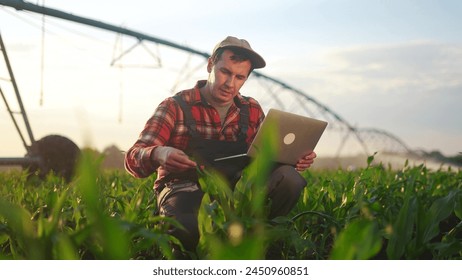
289	179
183	205
284	190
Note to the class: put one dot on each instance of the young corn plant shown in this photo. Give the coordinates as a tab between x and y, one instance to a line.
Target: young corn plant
370	213
97	216
232	221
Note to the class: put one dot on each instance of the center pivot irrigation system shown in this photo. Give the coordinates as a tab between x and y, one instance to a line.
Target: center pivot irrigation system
59	154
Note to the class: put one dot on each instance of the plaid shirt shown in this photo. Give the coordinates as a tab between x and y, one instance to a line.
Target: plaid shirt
167	128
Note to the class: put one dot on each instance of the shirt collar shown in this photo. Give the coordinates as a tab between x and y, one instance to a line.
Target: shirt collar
197	97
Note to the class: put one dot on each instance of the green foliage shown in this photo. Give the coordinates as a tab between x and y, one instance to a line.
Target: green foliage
232	222
370	213
97	216
360	240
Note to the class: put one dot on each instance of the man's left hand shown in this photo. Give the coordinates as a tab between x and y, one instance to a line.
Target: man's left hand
305	162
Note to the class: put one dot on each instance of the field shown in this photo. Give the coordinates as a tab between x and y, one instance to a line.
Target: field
374	212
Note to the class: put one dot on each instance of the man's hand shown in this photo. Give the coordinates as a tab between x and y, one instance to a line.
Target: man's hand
305	162
172	159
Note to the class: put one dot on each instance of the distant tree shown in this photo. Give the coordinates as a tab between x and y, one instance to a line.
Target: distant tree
113	158
457	159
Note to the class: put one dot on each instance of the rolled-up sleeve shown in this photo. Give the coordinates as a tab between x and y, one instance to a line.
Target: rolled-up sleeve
138	160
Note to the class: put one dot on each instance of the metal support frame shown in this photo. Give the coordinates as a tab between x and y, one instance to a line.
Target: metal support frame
16	161
21	5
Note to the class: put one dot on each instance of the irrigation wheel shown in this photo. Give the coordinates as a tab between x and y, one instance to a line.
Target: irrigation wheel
57	154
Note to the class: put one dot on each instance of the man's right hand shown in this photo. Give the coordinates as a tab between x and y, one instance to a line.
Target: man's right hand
172	159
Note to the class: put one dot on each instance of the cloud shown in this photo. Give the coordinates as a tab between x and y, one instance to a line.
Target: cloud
408	89
421	67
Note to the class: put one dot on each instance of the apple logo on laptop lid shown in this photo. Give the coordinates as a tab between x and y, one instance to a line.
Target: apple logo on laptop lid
289	138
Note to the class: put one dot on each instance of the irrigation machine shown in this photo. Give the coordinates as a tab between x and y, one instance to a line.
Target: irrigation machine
52	153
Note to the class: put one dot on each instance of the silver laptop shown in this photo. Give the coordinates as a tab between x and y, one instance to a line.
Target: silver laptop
296	136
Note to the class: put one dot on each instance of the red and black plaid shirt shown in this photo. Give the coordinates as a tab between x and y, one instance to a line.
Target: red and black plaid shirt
167	128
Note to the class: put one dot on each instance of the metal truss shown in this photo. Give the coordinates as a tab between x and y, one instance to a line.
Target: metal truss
272	93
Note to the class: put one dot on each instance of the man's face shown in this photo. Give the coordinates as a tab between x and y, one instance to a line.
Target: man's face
226	77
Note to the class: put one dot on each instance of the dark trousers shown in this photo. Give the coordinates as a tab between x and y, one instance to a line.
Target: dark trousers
182	201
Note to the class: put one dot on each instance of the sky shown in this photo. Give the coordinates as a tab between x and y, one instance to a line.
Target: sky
391	65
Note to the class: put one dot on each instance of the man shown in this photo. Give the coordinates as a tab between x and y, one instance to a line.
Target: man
196	125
